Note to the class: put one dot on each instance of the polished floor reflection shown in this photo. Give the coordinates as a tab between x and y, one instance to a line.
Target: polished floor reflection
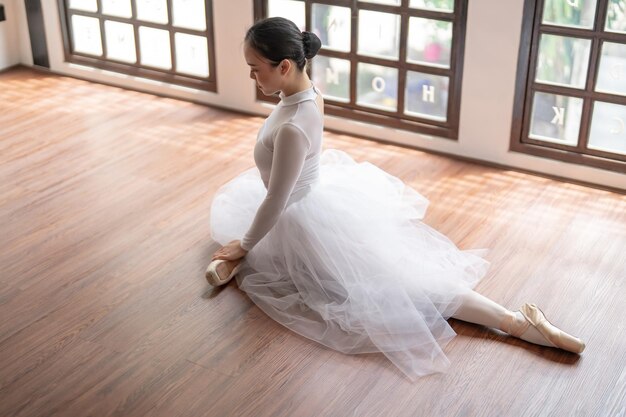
104	205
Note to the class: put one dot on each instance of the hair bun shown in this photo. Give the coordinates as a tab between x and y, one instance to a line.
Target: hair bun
311	44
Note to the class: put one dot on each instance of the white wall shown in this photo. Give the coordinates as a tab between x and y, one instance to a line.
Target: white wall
492	41
9	39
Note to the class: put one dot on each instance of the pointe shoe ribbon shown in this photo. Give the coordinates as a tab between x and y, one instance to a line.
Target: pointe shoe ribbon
213	272
553	334
511	326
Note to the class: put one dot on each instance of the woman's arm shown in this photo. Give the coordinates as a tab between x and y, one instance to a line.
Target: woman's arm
290	148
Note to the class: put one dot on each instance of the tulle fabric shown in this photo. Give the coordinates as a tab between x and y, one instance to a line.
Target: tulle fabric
351	265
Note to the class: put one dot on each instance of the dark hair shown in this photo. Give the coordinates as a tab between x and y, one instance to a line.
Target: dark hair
277	38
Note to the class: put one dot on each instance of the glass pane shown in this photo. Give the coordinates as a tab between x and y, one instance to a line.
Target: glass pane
87	5
289	9
192	56
563	61
612	72
332	77
608	128
439	5
391	2
377	87
379	34
616	16
86	35
152	10
332	25
574	13
429	42
119	8
154	45
189	14
120	40
426	95
556	118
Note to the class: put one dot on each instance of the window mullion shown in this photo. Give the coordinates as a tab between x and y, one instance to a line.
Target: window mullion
101	25
594	65
601	9
455	72
404	30
133	8
585	122
170	29
532	69
354	33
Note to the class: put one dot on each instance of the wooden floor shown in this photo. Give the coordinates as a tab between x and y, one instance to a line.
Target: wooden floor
104	209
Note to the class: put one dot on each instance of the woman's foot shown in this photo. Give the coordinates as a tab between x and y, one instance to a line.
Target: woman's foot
530	324
220	272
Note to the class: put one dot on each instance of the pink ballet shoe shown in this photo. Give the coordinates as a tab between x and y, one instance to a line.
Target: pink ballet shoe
535	317
217	272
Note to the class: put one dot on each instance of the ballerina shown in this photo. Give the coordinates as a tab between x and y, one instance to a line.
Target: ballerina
335	250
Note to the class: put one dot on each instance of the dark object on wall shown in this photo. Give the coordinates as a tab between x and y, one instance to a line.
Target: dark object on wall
34	15
2	15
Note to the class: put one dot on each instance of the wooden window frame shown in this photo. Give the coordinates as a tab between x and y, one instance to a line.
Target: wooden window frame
525	86
168	76
448	129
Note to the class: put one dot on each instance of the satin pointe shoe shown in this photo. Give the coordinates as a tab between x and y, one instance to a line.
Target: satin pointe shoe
535	317
217	272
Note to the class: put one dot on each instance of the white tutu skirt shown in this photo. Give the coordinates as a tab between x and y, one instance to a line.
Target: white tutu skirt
350	264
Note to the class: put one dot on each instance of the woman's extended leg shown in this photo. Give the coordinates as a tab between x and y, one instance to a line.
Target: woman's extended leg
478	309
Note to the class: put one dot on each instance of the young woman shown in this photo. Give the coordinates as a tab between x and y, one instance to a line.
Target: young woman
334	249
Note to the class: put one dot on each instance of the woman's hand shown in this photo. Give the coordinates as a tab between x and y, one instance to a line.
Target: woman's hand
230	252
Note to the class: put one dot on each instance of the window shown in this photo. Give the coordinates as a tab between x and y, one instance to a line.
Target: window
165	40
571	90
396	63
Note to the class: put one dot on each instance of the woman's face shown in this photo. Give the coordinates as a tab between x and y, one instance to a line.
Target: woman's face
268	77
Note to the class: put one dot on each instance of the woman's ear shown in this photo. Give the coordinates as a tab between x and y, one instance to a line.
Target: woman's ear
285	65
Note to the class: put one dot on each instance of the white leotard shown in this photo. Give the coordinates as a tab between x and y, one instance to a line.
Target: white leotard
287	154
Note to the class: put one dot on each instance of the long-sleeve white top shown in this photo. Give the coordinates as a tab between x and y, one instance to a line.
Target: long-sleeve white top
287	154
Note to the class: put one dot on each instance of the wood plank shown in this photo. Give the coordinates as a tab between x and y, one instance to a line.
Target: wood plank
104	208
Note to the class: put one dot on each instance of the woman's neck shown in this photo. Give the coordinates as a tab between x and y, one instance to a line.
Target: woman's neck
300	84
